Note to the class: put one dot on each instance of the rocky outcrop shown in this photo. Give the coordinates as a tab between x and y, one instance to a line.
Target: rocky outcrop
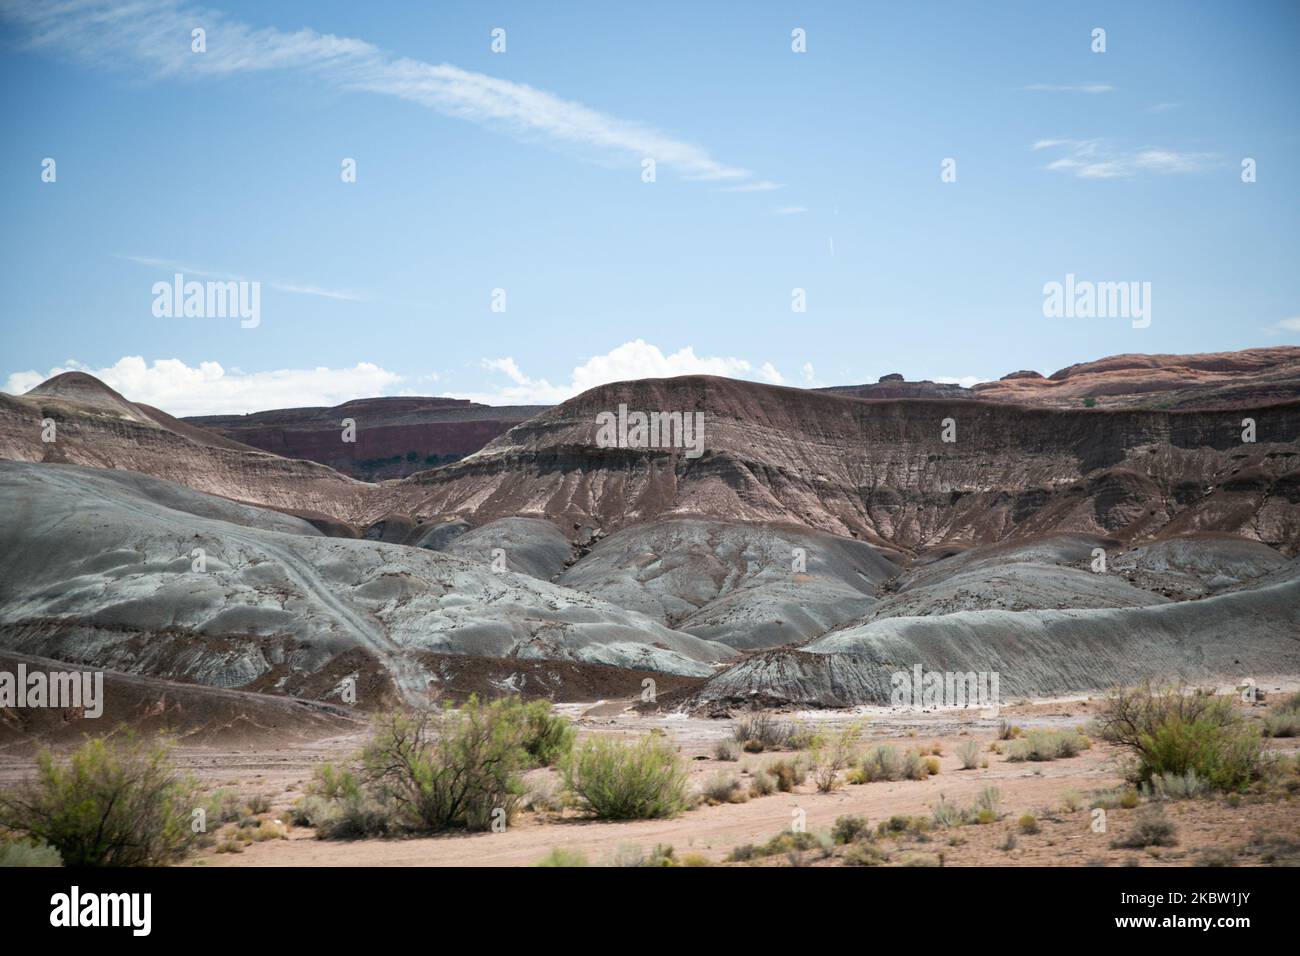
882	470
394	437
137	575
1248	378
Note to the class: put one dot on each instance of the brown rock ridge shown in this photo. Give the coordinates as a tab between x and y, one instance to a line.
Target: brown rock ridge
96	426
396	437
1210	380
878	470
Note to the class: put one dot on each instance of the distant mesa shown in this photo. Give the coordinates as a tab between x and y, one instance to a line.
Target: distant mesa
1023	373
396	437
892	377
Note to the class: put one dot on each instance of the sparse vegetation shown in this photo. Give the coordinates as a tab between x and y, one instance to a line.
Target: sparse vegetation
724	788
22	852
1283	719
1174	786
848	829
968	752
614	780
1028	824
1040	745
1150	828
113	802
830	761
726	750
1170	732
762	784
761	730
562	857
789	772
437	769
787	841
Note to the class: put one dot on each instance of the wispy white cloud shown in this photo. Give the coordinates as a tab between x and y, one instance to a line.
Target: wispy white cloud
790	210
631	360
1162	107
153	37
759	186
297	288
209	389
1102	159
1290	325
1071	88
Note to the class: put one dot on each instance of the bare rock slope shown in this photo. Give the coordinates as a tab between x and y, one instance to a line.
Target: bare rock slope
98	568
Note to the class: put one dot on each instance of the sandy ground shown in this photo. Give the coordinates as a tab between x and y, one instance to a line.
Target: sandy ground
712	832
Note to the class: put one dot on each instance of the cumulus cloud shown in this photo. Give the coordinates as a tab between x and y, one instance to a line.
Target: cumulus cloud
209	389
631	360
153	37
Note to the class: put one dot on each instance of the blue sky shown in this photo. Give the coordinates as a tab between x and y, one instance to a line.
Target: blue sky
522	170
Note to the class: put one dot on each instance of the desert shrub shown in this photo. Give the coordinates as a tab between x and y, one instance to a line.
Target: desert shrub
634	856
864	854
931	766
449	768
1169	732
1150	828
849	828
1007	731
936	748
913	767
1028	824
562	857
23	852
117	802
899	824
1008	844
946	814
334	783
787	841
762	784
1071	800
835	757
270	830
1282	723
547	737
1174	786
259	803
726	750
789	773
1047	745
984	810
619	781
764	728
968	752
805	737
882	763
724	788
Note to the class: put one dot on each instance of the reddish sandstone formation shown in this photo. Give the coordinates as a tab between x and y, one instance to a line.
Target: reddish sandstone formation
395	437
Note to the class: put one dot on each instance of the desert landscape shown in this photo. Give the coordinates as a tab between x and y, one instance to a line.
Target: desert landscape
273	614
443	445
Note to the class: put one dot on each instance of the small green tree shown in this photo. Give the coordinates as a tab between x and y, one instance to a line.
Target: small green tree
113	802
